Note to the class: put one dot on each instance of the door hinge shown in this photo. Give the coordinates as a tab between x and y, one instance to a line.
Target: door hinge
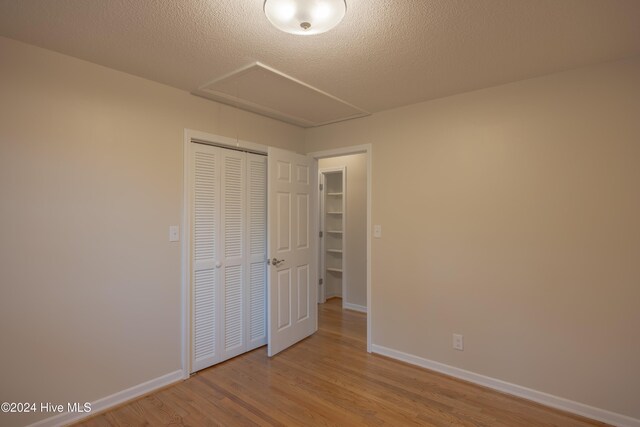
321	187
321	234
320	281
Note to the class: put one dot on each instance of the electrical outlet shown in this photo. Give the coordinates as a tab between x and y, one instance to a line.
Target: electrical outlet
458	342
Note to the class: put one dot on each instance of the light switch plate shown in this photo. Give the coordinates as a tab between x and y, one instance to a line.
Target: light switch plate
377	231
174	233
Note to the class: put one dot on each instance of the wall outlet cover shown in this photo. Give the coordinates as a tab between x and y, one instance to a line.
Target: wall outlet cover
458	342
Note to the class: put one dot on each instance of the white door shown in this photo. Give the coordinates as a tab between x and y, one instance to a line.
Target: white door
293	271
233	253
256	237
227	217
204	203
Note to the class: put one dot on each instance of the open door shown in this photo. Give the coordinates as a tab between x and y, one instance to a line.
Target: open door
293	272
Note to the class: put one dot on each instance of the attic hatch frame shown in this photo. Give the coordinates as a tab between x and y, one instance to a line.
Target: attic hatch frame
235	100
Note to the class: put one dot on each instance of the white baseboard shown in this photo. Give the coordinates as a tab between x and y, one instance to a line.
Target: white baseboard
513	389
354	307
112	400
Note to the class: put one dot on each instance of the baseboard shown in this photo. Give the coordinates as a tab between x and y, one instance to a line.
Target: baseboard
112	400
513	389
354	307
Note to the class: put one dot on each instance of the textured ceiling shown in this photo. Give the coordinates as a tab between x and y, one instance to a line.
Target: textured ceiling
384	54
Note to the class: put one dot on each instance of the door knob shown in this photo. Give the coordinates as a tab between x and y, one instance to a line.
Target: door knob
276	262
218	264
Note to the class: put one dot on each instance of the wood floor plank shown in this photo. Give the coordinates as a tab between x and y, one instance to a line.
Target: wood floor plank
329	380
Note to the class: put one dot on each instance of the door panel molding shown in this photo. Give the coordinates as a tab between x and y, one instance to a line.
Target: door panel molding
292	218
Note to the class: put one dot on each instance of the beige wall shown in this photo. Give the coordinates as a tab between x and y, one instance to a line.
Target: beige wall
356	224
90	180
512	215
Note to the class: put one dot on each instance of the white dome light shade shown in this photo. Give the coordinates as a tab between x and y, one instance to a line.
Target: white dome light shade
305	17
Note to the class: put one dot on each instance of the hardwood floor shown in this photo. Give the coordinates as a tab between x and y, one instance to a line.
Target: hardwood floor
328	379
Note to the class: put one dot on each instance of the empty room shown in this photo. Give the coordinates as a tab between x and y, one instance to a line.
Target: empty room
320	213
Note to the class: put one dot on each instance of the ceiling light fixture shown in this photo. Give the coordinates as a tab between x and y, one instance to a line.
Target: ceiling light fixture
305	17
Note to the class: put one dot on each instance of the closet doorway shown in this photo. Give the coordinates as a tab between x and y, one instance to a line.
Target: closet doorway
344	246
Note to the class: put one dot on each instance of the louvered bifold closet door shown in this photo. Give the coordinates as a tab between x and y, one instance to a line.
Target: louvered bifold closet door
205	248
235	259
228	203
256	293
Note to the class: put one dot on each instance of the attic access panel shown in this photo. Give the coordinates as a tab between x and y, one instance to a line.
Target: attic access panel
264	90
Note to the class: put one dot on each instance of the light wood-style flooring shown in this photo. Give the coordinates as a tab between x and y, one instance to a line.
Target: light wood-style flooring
328	379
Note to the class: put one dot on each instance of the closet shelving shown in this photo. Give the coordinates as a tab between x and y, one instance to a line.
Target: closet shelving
333	208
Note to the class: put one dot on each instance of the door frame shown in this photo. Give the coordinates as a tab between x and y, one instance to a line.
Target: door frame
321	220
358	149
190	136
